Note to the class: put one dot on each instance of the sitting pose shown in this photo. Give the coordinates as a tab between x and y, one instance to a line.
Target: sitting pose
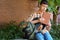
42	30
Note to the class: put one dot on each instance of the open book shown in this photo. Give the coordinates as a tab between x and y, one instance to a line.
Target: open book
46	17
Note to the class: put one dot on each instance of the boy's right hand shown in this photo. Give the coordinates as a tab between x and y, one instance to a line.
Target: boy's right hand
41	19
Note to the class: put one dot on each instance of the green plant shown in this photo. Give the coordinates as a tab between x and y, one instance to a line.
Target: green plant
11	31
55	32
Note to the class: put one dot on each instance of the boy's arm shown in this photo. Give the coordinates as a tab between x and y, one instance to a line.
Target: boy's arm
49	24
31	17
35	21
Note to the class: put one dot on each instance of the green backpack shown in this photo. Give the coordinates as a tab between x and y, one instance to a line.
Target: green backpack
29	29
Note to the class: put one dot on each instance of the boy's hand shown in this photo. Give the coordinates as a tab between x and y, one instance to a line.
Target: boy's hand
40	27
41	19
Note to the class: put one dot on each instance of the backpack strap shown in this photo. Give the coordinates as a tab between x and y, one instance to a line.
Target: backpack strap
32	33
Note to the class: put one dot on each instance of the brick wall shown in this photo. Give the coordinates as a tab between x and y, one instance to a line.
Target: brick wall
16	10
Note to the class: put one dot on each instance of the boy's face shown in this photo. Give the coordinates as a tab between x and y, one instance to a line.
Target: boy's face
43	7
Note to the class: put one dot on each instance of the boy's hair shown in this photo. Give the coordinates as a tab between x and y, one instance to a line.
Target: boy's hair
44	2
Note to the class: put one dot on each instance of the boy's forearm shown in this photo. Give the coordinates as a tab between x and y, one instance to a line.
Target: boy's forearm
35	21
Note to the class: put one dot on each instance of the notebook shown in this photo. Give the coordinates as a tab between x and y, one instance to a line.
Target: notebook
46	17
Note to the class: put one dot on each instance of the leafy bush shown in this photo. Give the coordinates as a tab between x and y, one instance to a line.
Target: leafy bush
55	32
11	31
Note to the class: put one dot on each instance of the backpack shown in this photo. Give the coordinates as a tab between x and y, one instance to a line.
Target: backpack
28	30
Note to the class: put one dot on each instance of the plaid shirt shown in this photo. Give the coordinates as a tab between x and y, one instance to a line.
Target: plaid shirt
34	15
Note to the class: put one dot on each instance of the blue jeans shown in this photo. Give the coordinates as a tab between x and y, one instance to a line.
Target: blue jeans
45	36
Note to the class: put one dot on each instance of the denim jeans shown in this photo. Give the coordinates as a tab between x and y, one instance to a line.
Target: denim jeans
45	36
